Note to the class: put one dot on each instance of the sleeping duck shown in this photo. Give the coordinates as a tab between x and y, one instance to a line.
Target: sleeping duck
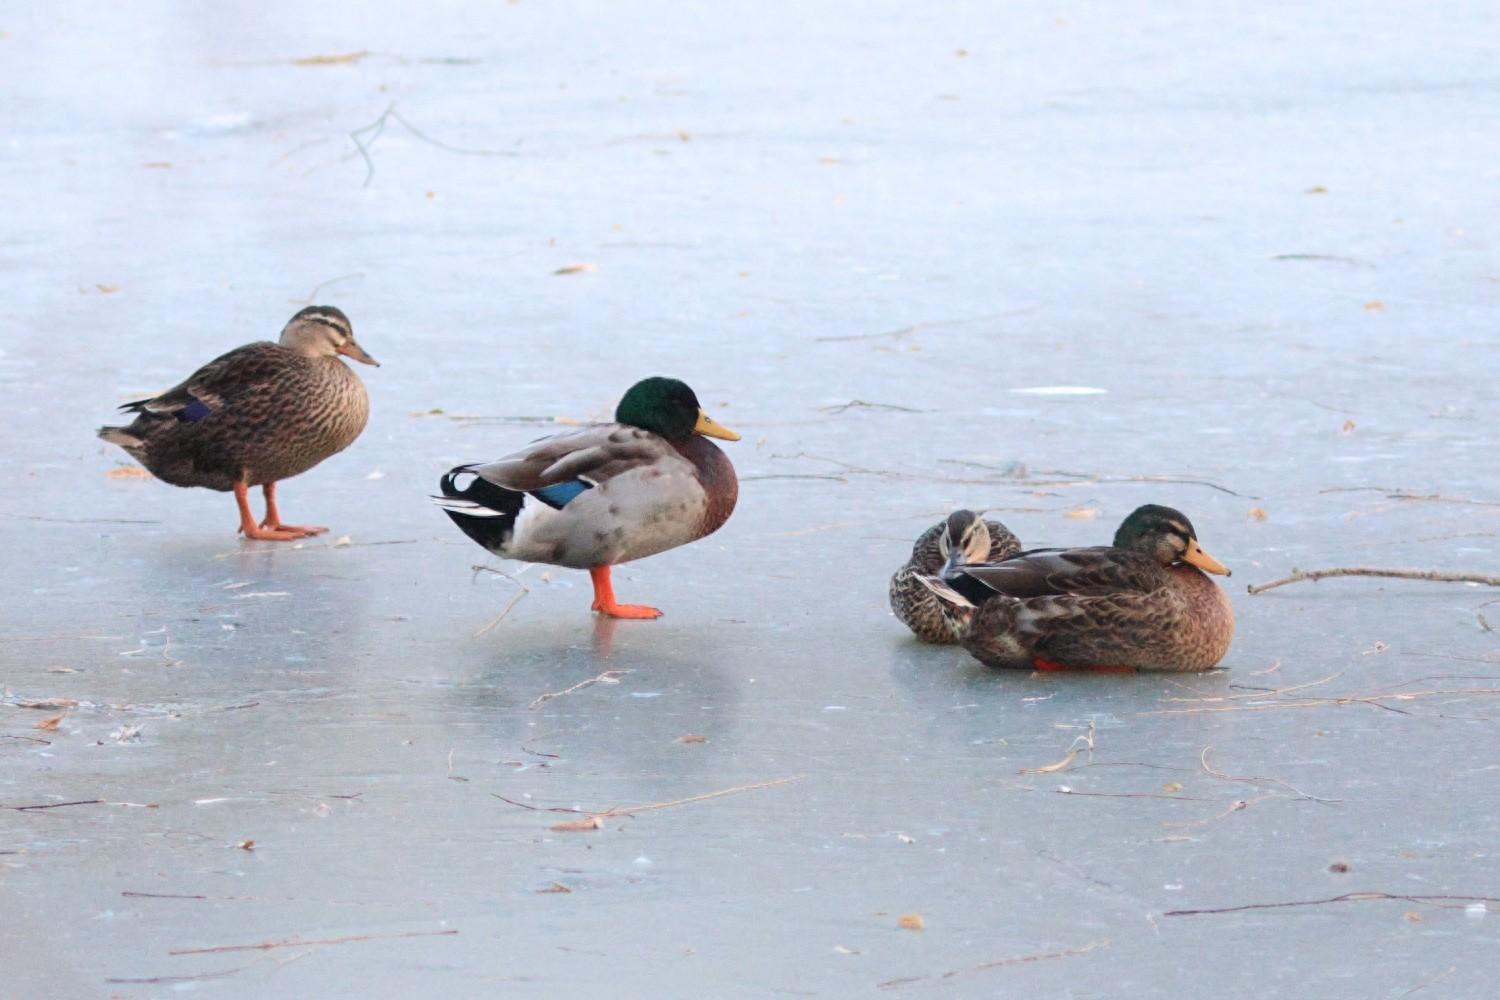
605	494
1142	603
964	537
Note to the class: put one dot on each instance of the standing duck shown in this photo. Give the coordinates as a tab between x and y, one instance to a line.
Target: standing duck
964	537
604	494
259	414
1142	603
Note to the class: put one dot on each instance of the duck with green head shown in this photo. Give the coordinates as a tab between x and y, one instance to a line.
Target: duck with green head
605	494
1142	603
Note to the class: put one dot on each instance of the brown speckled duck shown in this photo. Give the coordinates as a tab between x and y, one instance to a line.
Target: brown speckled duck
605	494
261	413
1142	603
964	537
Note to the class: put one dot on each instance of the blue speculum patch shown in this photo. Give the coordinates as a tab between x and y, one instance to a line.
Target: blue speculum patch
559	495
194	411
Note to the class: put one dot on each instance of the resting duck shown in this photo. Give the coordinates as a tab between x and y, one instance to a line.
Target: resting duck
964	537
606	494
1141	603
259	414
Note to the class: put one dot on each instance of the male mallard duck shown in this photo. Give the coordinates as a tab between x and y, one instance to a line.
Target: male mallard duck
1139	603
964	537
606	494
261	413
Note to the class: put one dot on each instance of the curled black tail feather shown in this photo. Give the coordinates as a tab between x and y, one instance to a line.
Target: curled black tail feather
495	526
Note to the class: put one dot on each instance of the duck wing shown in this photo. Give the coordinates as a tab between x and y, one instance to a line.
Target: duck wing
218	385
1089	572
589	456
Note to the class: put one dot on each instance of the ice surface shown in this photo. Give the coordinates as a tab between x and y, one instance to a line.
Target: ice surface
1262	230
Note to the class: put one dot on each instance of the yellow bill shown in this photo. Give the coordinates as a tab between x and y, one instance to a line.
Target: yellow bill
1197	557
353	350
709	427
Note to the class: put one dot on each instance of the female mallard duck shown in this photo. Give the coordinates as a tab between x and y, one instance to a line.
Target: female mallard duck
1140	603
964	537
606	494
260	413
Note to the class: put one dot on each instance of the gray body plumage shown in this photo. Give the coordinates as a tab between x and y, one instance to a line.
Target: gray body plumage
645	495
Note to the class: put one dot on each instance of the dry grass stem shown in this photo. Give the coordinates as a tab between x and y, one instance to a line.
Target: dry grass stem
1212	772
999	963
304	943
1449	902
1081	744
608	677
1439	576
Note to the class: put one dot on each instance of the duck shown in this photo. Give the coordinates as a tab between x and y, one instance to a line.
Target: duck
259	414
1141	603
604	494
962	537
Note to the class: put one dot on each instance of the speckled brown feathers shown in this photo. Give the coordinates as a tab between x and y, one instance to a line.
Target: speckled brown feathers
1099	608
260	413
929	618
1141	603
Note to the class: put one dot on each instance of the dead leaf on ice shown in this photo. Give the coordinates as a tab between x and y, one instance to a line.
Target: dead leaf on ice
691	738
50	723
1082	513
911	922
580	268
246	845
127	472
555	887
1258	514
574	825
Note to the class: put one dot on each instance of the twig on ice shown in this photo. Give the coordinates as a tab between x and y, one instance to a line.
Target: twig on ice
608	677
1400	574
303	943
1348	897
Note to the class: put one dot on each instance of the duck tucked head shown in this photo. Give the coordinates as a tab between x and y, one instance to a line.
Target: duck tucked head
965	539
322	332
668	407
1167	536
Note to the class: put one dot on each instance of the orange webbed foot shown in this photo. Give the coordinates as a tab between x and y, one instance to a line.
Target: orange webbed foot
261	533
604	598
642	611
295	530
1042	664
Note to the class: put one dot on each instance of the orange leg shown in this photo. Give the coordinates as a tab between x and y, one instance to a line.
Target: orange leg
604	598
1041	664
273	516
249	528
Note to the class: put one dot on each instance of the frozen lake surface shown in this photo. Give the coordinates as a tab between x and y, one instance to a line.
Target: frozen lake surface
1053	260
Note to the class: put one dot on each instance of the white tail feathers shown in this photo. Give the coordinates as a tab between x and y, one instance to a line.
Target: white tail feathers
942	590
468	507
120	436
